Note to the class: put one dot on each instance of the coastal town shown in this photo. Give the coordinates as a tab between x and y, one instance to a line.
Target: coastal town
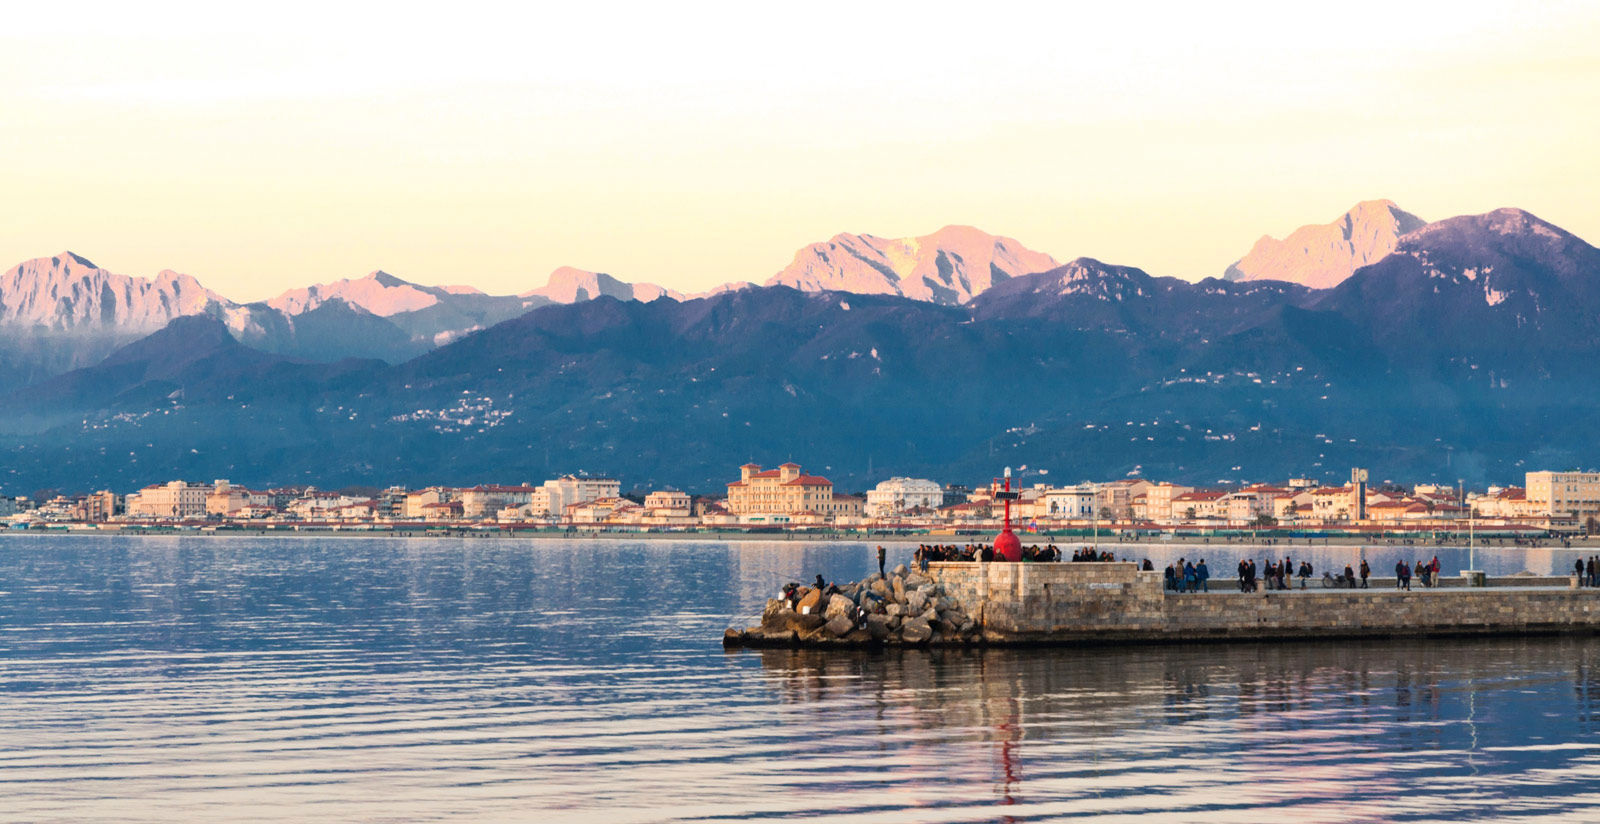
787	498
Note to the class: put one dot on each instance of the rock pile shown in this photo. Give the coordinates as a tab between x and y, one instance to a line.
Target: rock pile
903	609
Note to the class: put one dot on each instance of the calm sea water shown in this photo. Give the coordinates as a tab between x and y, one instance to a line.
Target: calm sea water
237	679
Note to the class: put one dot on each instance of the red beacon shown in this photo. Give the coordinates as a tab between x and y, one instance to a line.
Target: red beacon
1007	546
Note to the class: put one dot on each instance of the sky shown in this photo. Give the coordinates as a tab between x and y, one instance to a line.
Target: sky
266	147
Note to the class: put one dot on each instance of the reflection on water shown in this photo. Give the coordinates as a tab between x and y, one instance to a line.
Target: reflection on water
237	679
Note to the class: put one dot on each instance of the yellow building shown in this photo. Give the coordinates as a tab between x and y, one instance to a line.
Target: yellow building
1564	494
782	490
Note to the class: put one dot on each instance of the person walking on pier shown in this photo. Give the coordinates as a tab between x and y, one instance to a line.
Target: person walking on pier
1365	571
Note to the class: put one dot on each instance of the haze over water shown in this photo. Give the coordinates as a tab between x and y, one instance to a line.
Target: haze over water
227	679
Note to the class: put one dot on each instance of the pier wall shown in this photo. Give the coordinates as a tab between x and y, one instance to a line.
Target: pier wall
1117	602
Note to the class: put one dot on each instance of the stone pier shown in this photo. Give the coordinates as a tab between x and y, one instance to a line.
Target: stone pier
1074	603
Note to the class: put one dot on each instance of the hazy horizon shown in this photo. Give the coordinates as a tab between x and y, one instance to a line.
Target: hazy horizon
691	148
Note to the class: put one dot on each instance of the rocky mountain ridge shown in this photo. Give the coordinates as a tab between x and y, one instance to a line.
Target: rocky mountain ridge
1321	257
1472	351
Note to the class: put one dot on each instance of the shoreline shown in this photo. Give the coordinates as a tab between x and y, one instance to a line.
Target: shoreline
1039	539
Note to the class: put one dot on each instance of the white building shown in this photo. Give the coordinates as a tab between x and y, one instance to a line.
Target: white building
1079	501
482	503
898	495
567	490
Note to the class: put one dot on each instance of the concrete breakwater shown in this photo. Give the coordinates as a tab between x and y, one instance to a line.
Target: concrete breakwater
1081	603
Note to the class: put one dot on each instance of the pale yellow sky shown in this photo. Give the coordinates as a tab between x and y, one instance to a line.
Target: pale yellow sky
264	148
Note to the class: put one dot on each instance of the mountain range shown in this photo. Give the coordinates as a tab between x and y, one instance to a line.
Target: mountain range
1467	350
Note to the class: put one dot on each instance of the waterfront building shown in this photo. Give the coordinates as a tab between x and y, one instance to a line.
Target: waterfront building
441	511
782	490
1336	504
597	511
1071	502
1510	502
225	498
1573	495
98	507
668	503
900	495
1200	505
1114	500
172	500
481	503
1158	501
1253	502
417	502
561	493
392	503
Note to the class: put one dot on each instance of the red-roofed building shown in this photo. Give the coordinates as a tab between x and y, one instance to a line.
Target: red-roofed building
1200	504
782	490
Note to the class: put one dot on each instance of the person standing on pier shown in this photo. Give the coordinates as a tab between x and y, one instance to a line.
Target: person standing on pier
1202	574
1577	570
1402	576
1365	571
881	557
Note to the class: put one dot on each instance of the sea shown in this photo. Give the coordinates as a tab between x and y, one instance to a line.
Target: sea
221	679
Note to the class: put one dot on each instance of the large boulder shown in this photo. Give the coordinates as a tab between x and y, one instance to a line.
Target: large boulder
839	626
894	610
900	590
878	627
917	580
915	631
779	619
838	605
807	623
899	571
881	589
916	602
810	600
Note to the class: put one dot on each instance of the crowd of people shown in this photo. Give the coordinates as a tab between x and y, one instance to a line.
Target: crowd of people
1187	576
1049	553
985	552
1195	576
